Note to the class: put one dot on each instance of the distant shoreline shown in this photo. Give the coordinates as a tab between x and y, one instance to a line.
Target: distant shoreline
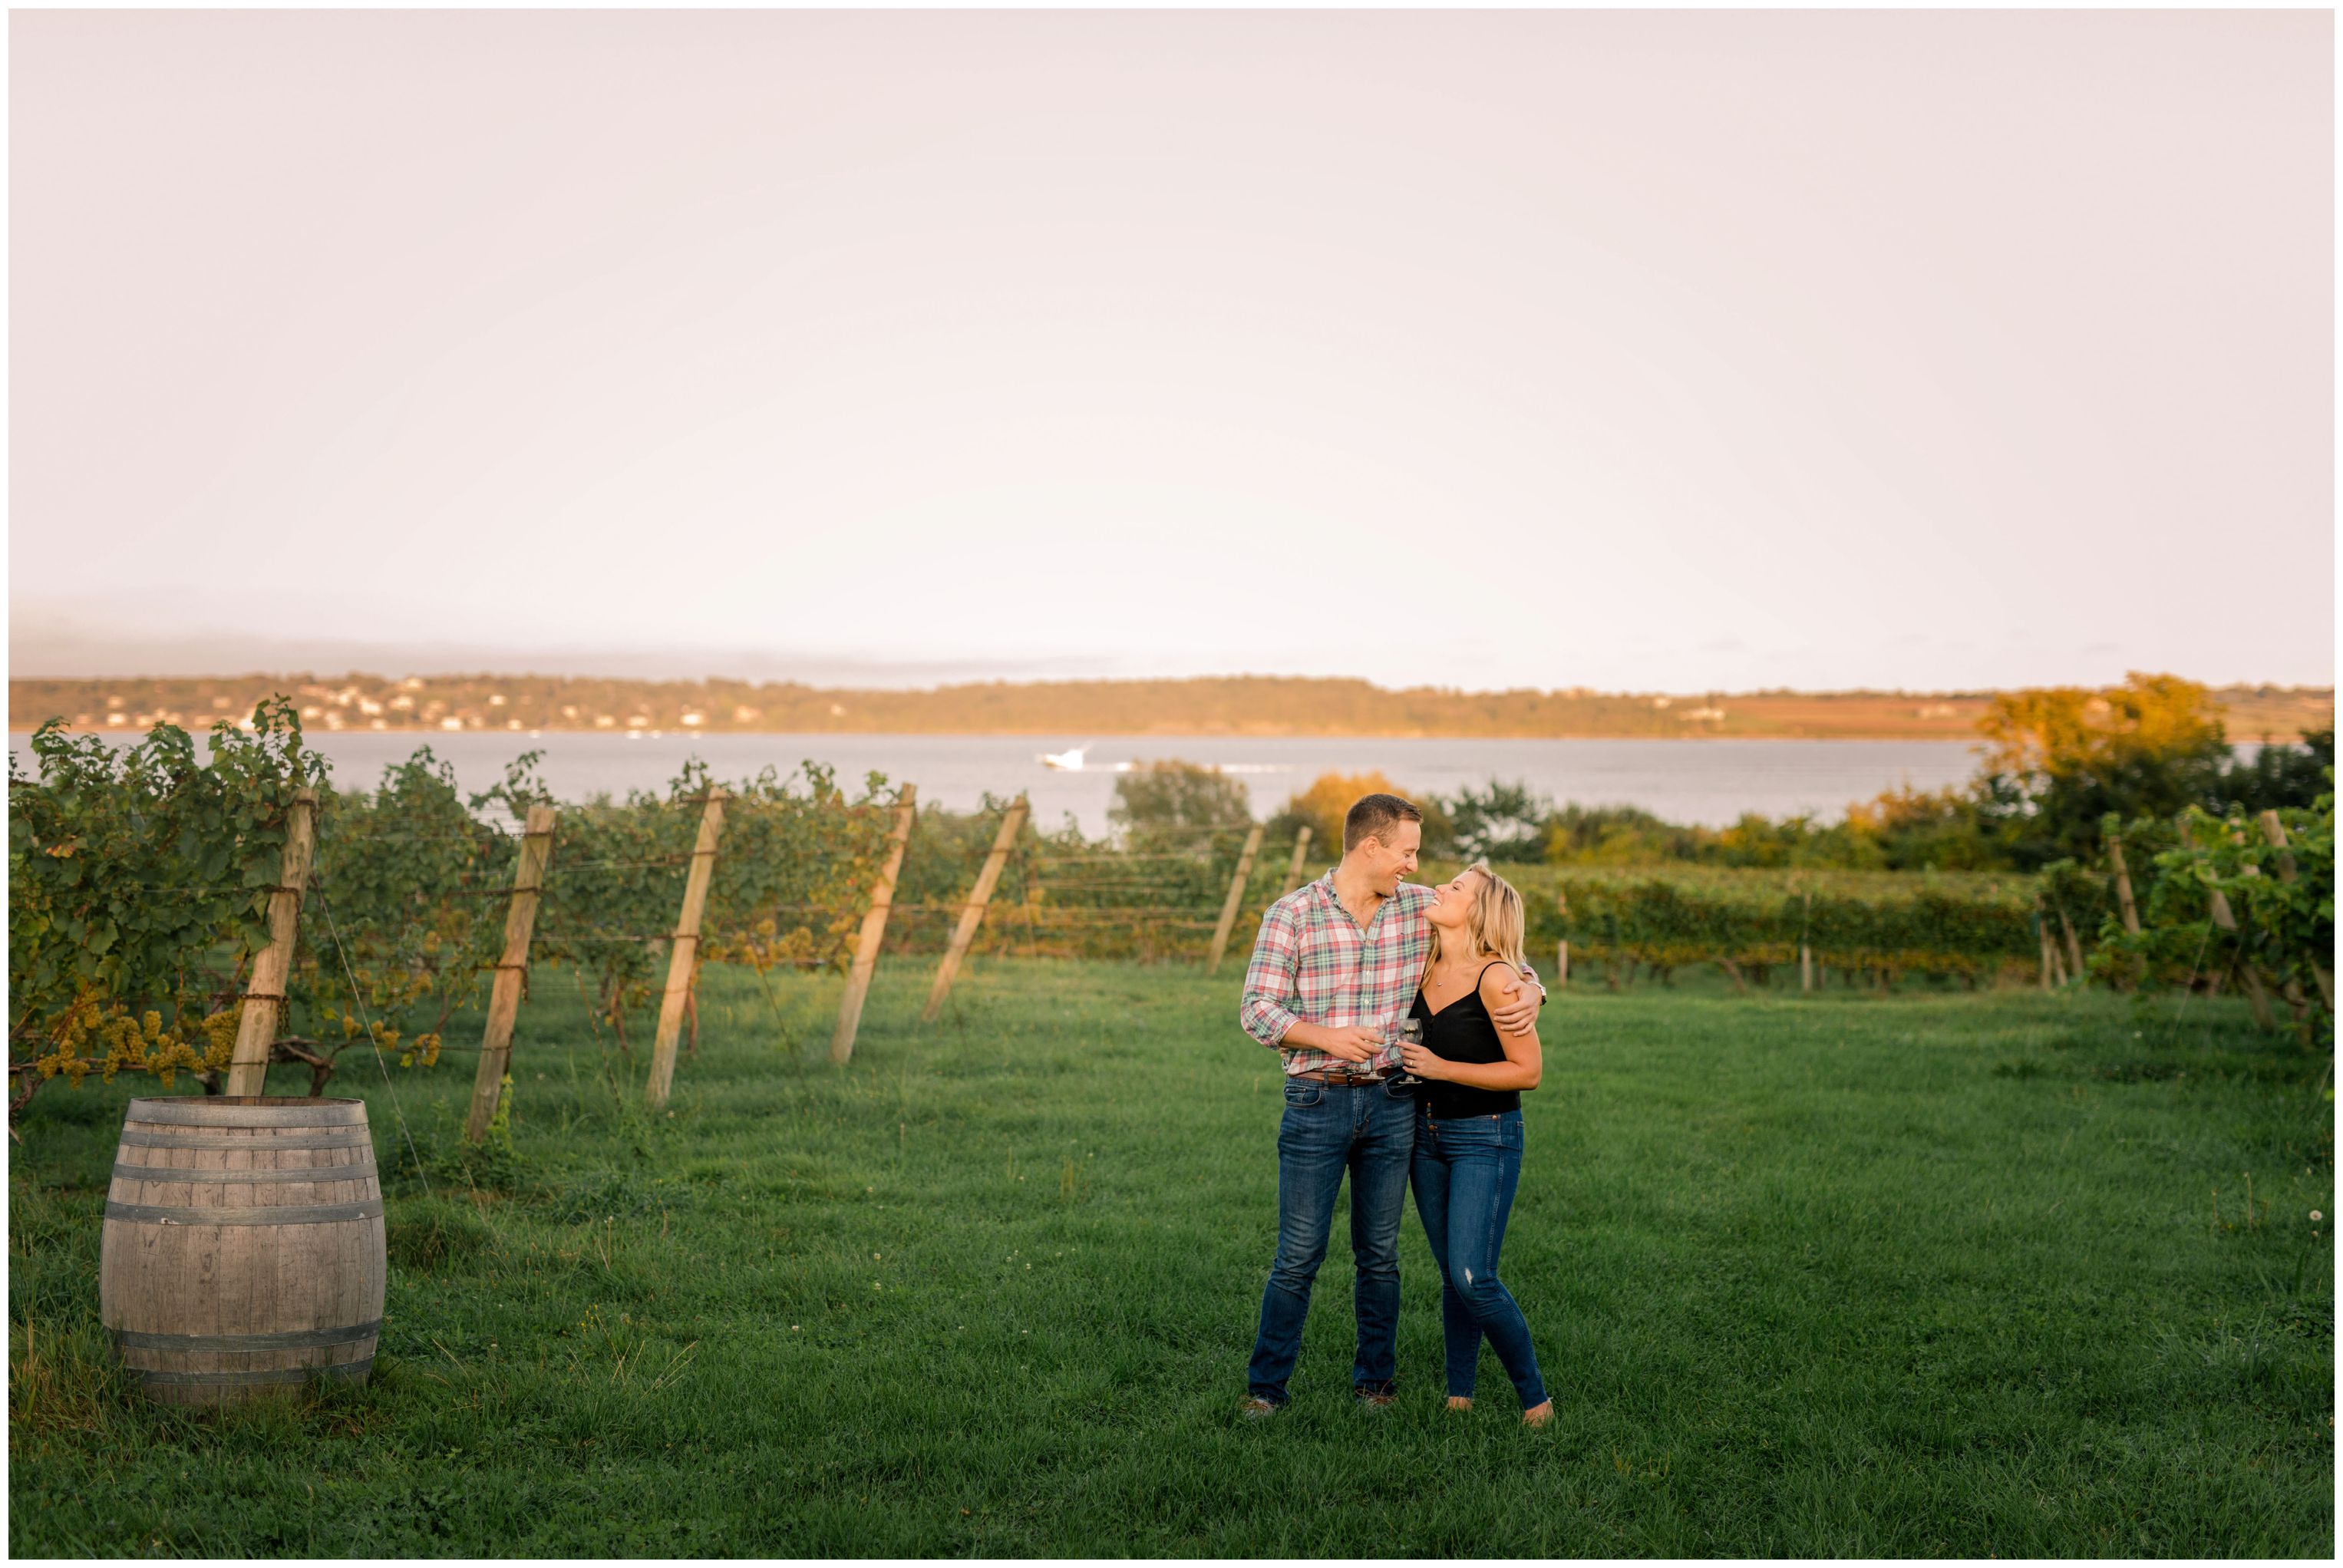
1086	734
1240	707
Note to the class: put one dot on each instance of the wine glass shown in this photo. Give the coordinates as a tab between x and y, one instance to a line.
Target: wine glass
1405	1031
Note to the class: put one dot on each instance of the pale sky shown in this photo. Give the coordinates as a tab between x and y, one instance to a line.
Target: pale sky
1646	351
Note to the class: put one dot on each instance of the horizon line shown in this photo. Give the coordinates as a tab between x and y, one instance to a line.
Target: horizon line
1576	693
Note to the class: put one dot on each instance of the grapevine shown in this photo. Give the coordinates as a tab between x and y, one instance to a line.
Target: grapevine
138	886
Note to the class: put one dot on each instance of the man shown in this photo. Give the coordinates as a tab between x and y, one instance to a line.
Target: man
1336	963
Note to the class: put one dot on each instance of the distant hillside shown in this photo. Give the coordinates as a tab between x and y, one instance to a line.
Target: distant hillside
1242	705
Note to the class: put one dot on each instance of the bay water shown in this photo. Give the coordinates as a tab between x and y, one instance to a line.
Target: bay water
1708	782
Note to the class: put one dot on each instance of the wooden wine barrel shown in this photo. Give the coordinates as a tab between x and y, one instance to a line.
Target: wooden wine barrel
243	1249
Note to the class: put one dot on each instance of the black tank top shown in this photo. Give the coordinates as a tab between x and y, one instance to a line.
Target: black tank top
1463	1032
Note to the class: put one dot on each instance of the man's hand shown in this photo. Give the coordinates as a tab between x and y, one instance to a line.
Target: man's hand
1355	1044
1518	1013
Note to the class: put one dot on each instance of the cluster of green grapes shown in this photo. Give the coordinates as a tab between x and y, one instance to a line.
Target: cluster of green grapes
139	1042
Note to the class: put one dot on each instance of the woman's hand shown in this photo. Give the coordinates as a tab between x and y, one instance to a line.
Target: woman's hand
1423	1060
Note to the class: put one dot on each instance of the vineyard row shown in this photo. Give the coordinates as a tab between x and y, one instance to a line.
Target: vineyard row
167	915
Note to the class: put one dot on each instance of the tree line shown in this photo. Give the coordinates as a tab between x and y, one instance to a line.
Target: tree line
2055	762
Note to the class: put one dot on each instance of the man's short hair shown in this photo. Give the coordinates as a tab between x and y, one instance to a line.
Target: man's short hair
1374	817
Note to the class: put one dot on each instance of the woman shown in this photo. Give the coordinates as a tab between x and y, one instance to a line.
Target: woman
1468	1128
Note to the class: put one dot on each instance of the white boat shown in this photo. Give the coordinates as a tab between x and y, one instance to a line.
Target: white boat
1068	761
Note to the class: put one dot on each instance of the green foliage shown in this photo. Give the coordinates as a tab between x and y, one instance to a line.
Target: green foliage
1504	822
139	885
1903	829
405	912
794	867
1171	803
1970	927
1063	896
1329	798
946	853
1620	836
2278	777
2078	902
2060	759
1154	889
492	1165
1908	829
2281	902
139	882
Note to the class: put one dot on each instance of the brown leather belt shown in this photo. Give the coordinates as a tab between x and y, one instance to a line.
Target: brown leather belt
1324	1075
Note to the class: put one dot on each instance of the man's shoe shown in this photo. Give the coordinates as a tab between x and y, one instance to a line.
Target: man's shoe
1257	1408
1371	1398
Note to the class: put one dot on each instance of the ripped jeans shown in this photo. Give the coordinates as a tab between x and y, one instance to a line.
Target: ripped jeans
1465	1171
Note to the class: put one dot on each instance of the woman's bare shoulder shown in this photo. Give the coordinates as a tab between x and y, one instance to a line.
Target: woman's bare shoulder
1498	978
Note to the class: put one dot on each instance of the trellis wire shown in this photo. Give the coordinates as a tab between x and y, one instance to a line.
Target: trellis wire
358	1000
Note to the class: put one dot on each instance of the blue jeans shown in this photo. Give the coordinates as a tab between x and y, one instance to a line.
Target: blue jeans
1465	1172
1367	1130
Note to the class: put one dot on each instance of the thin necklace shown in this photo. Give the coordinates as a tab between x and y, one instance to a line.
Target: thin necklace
1443	979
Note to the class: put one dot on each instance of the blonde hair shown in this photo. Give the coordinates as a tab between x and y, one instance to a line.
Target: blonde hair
1495	921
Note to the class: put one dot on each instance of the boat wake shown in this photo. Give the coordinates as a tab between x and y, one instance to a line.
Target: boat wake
1075	759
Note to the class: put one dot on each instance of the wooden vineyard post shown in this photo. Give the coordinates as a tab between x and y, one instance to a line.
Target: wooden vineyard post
2274	830
973	914
2067	931
1561	949
1293	868
2255	997
1236	897
2124	904
263	994
683	953
874	928
2292	988
2053	961
2042	934
1806	948
2123	885
512	969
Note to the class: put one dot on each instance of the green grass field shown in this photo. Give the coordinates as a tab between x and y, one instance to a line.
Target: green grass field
1941	1275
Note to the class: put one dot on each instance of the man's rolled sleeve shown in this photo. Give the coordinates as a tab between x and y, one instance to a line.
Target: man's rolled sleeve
1270	986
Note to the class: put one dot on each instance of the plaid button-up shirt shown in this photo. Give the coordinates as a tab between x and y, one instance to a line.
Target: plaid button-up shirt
1311	964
